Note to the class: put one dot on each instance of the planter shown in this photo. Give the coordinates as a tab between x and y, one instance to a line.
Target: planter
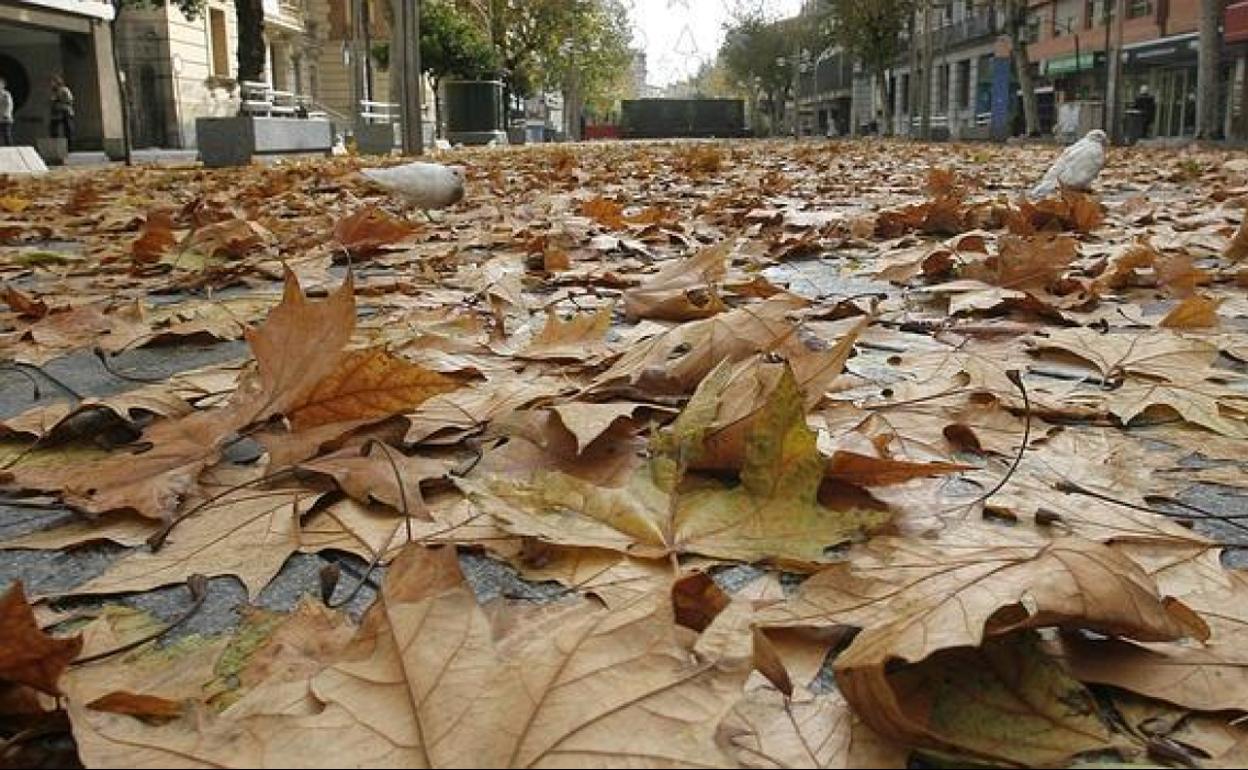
234	141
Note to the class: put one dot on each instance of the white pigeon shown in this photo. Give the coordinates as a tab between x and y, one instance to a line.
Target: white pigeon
1077	167
423	185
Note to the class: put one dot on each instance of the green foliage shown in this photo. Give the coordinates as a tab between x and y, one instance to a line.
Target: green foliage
870	30
539	42
594	50
453	44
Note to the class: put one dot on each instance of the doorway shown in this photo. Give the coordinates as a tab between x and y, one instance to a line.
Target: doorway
1176	102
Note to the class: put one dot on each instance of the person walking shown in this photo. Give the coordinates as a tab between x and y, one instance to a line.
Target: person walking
1147	105
6	115
62	110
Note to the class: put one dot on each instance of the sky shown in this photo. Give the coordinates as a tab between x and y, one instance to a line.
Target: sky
678	35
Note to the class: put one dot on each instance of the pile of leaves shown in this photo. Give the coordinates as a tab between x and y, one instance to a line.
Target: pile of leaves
822	455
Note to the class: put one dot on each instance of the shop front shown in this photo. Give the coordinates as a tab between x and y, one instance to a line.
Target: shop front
1164	69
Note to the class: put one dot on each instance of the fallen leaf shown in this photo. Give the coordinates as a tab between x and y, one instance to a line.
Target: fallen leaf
684	290
155	239
1195	312
28	656
580	337
366	385
773	514
299	345
1003	702
366	231
913	598
22	303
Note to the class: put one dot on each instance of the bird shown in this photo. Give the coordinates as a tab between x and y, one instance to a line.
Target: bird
1077	167
423	185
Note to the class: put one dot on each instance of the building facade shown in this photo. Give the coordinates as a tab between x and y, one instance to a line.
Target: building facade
964	44
70	38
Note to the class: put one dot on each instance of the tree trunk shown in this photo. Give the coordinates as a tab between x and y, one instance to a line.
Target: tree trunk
251	49
925	87
1017	10
1208	70
436	84
124	94
886	119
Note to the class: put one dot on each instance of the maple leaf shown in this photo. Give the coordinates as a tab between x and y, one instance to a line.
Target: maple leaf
22	303
366	231
1195	312
1004	702
581	336
230	238
28	656
366	385
772	514
299	345
605	212
684	290
676	360
246	533
155	239
1158	354
1032	264
914	598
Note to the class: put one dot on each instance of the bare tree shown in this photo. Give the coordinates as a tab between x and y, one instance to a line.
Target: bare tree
1016	26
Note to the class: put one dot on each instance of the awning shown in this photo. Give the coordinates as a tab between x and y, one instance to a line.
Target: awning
1064	65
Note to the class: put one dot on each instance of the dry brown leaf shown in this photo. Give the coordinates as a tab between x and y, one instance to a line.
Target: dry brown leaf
913	597
580	337
367	385
299	345
366	231
589	421
433	681
1237	249
22	303
152	482
869	471
770	729
677	360
1004	702
28	656
606	212
382	474
155	239
231	238
246	533
1195	312
684	290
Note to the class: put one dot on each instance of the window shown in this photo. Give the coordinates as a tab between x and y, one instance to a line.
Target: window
1031	33
942	87
964	84
905	93
1094	12
1138	8
220	43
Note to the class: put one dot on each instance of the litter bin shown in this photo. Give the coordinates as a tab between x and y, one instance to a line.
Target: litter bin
474	111
1133	126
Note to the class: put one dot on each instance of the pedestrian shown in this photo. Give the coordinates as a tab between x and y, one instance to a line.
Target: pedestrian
6	115
62	110
1147	105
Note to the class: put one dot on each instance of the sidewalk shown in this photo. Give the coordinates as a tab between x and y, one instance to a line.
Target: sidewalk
145	157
